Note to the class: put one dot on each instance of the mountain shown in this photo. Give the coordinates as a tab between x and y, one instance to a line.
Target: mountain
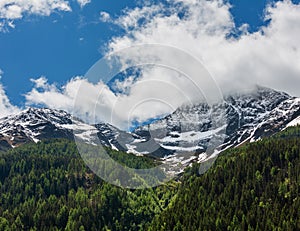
36	124
32	125
192	133
197	132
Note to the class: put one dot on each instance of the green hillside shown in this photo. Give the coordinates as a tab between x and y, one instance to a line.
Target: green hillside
46	186
255	187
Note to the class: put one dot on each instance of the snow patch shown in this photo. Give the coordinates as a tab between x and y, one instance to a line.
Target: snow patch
294	123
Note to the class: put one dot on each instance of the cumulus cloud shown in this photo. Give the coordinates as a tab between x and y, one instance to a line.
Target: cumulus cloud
15	9
96	102
269	57
47	94
75	97
6	108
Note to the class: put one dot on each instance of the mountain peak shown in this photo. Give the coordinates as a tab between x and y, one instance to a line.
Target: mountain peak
258	92
180	138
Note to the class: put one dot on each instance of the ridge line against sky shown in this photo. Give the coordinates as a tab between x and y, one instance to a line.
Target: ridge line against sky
237	54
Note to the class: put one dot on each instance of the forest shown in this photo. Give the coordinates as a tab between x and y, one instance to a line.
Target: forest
47	186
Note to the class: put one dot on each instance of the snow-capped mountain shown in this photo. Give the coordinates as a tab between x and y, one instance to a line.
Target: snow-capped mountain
35	124
196	132
191	133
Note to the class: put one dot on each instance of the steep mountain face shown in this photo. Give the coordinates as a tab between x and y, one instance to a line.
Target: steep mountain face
35	124
32	125
263	113
197	132
191	133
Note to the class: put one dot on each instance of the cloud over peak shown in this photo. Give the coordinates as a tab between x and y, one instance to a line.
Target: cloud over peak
269	57
236	58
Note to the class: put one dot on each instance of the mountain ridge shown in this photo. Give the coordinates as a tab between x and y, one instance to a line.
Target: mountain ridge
187	135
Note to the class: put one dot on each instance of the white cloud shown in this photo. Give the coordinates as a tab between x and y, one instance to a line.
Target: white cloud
15	9
104	16
131	17
64	98
6	108
49	95
11	24
269	57
82	3
41	82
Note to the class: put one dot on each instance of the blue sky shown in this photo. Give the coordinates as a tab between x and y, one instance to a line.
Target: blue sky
60	46
66	42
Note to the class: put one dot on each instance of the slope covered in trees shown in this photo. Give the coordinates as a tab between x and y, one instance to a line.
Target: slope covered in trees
254	187
47	186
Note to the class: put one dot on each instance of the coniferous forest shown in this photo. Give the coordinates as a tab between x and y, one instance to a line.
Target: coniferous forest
47	186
